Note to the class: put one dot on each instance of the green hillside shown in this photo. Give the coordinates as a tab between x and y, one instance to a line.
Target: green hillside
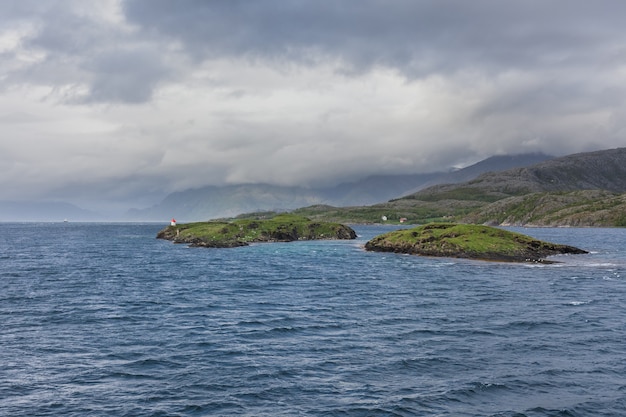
586	189
597	208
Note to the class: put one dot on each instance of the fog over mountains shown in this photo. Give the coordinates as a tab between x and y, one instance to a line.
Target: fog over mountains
228	201
600	175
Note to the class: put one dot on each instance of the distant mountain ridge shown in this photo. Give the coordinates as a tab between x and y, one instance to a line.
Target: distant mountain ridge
34	211
492	164
229	201
605	170
584	189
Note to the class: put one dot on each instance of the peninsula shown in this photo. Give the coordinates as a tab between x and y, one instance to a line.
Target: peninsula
468	241
282	228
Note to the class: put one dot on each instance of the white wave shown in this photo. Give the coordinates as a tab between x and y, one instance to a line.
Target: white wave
578	303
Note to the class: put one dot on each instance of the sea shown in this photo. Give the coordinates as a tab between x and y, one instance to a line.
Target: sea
103	319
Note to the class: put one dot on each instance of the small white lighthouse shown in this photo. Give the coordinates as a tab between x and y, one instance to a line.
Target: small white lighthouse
173	222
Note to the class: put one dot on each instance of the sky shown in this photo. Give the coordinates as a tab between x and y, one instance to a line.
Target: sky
120	102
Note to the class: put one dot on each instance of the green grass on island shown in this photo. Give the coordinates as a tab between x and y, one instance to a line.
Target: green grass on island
468	241
281	228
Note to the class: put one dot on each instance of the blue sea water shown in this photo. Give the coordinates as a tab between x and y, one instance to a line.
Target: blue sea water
106	320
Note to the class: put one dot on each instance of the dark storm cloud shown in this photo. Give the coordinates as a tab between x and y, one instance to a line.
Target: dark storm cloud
125	75
417	38
76	47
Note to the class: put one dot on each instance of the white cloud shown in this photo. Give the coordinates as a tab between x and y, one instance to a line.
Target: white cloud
121	98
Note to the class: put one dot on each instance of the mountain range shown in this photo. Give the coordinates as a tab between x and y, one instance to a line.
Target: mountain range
37	211
585	189
229	201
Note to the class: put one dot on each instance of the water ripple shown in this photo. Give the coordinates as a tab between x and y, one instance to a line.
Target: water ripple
105	320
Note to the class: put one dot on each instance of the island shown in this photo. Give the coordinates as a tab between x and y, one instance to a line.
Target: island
469	241
241	232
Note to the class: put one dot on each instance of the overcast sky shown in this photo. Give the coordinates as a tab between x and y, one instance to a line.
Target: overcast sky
128	100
